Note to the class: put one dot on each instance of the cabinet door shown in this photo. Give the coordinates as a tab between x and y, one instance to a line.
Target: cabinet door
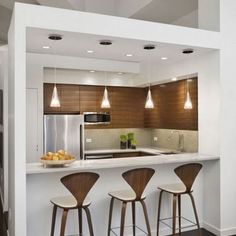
32	125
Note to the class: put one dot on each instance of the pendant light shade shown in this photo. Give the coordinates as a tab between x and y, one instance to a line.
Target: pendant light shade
55	102
149	102
188	103
105	99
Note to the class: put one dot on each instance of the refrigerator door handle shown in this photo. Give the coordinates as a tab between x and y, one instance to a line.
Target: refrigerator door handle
82	142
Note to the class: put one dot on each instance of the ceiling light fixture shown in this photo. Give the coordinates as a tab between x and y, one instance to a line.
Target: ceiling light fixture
129	55
92	71
164	58
149	104
188	51
174	79
55	101
120	73
105	100
90	51
188	103
46	47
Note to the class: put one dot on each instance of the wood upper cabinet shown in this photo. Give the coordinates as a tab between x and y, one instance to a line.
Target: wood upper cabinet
127	107
68	95
169	112
127	104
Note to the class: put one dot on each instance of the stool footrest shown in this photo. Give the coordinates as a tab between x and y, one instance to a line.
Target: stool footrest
114	229
192	224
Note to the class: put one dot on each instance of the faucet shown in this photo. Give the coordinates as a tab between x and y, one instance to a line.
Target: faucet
180	138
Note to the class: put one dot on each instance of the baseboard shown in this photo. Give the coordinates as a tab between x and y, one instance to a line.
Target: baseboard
211	228
219	232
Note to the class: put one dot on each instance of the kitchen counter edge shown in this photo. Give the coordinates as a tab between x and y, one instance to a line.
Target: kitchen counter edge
82	165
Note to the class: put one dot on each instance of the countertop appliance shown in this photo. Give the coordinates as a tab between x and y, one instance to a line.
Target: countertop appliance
64	132
94	118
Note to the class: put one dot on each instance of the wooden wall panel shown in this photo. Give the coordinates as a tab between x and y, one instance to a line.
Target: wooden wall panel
169	112
127	104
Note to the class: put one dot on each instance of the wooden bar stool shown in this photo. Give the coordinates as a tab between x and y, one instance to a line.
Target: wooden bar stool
79	185
187	174
138	180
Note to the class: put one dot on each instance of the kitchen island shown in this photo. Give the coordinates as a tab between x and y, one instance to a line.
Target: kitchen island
44	184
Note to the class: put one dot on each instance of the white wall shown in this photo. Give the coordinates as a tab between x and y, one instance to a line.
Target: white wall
17	127
228	116
209	14
189	20
4	86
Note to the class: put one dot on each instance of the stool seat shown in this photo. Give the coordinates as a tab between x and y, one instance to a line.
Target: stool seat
68	202
177	188
125	195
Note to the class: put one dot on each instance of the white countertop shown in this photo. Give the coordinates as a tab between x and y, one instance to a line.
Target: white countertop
82	165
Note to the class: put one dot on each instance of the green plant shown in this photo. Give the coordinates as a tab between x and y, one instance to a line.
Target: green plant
123	138
130	136
133	142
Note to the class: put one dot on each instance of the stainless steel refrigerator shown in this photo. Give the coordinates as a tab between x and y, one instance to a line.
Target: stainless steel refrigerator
64	132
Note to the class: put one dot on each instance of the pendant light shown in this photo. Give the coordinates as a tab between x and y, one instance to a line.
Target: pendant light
55	102
188	103
149	102
105	100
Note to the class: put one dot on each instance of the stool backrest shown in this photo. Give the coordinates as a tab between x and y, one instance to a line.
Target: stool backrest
188	173
79	184
138	179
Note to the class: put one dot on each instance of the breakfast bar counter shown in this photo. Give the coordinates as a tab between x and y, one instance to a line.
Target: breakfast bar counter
81	165
44	184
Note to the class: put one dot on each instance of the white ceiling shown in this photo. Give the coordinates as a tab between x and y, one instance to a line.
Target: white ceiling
76	45
166	11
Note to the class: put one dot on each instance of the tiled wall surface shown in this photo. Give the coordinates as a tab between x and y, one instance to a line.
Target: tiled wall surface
166	138
110	138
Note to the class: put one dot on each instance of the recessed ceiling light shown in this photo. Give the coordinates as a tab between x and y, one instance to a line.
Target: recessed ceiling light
129	55
174	79
92	71
90	51
188	51
149	47
120	73
164	58
46	47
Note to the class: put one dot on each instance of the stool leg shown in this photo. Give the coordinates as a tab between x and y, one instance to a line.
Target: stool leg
159	212
89	221
122	221
146	217
174	215
54	213
194	209
110	216
80	222
179	208
133	218
63	222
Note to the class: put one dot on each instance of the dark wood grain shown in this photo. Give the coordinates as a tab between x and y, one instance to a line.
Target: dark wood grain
127	104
